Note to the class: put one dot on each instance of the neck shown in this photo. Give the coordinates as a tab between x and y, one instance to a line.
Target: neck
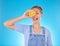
36	25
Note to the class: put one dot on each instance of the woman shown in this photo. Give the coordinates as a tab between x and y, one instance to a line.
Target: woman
34	35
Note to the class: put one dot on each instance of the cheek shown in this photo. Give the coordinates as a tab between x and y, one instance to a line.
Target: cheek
38	16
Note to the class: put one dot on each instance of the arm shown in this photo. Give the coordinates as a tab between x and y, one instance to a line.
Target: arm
10	23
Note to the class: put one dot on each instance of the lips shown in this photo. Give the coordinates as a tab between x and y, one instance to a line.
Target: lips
35	18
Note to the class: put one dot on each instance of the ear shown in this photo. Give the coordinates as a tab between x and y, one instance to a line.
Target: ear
40	15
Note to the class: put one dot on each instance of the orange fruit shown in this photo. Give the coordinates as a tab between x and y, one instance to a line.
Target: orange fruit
31	13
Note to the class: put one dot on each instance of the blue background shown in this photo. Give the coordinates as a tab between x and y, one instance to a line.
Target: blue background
13	8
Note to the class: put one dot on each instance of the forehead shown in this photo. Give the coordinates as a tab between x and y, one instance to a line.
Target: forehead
36	9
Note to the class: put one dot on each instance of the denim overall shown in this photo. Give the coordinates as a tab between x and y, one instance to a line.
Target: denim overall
36	39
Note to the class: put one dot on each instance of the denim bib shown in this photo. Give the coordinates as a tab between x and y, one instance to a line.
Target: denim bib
36	39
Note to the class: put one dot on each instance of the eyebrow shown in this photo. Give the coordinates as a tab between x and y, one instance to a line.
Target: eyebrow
37	11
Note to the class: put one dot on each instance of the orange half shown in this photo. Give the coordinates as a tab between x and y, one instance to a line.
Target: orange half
31	13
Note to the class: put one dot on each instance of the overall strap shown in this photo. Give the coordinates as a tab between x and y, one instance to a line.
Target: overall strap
43	30
30	29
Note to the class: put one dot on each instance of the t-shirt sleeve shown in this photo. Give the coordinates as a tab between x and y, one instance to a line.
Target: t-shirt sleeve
49	39
20	28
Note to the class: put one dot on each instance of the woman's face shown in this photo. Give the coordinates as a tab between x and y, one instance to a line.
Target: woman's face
37	16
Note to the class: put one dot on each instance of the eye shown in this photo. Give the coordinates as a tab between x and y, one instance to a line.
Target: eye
37	13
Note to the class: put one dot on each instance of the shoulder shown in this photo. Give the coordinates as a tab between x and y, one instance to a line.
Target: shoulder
22	25
22	28
47	31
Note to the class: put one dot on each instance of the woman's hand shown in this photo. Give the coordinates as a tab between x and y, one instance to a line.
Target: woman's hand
26	14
